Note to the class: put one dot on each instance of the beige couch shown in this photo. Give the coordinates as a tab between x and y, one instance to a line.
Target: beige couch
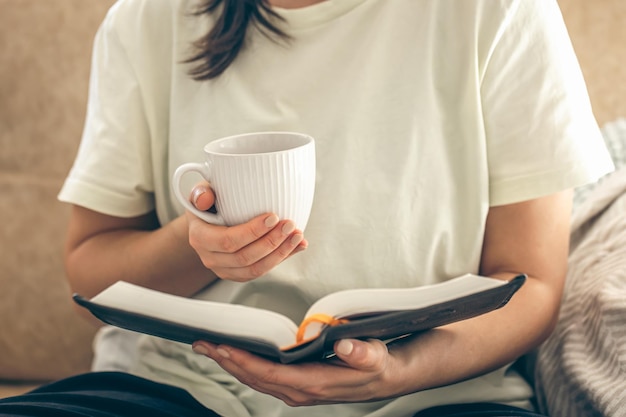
45	47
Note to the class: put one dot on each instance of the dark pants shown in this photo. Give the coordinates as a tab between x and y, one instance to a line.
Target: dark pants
105	394
476	410
114	394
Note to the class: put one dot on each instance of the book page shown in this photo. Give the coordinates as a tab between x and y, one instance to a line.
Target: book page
232	319
359	301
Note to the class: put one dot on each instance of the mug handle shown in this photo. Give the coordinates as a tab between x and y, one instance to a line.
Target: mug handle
176	185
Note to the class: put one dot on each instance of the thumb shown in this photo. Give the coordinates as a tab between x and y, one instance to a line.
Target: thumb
202	196
360	354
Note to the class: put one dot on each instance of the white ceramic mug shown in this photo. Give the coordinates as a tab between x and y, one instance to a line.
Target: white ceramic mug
255	173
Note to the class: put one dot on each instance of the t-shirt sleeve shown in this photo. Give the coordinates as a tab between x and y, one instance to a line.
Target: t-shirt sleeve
112	172
542	136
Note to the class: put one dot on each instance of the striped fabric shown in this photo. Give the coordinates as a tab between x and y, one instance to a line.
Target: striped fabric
581	369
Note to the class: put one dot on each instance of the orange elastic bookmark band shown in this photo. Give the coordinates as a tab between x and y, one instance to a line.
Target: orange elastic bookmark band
315	318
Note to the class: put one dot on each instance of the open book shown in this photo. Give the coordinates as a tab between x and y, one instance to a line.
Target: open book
383	313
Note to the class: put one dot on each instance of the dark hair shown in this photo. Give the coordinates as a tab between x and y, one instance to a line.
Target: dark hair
218	49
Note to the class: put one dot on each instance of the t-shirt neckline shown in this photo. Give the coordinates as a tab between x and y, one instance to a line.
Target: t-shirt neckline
316	14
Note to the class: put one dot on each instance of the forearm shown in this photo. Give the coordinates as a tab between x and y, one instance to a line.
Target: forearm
146	254
474	347
530	237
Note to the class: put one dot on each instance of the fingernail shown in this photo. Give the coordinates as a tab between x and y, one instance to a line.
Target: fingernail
296	239
197	192
345	347
289	227
223	353
271	220
200	350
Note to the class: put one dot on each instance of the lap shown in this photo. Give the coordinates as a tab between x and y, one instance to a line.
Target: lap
105	394
116	394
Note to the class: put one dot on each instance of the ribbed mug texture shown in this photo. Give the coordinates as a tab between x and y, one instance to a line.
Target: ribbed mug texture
256	173
278	182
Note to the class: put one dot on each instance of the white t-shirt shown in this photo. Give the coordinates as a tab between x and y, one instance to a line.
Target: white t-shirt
425	114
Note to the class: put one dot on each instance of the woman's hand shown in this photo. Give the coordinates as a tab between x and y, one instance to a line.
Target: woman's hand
362	372
243	252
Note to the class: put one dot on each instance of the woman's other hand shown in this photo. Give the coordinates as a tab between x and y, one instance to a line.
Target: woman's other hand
363	371
242	252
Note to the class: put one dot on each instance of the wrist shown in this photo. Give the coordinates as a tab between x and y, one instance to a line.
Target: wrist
179	229
421	362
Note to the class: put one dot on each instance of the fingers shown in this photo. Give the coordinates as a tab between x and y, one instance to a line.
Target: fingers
242	252
202	196
369	355
247	251
252	249
260	374
258	237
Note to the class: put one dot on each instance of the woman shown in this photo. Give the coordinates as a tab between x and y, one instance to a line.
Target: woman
448	135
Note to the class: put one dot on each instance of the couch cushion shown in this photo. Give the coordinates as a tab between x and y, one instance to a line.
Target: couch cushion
42	335
42	106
